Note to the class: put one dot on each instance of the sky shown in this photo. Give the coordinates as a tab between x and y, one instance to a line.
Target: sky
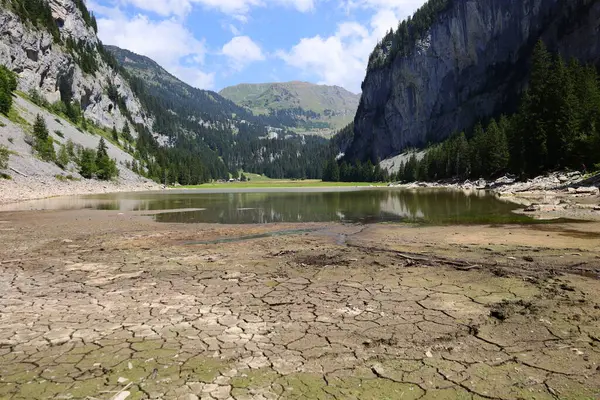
212	44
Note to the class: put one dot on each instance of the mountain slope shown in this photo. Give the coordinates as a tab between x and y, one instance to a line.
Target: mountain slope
53	47
204	104
300	105
459	61
254	143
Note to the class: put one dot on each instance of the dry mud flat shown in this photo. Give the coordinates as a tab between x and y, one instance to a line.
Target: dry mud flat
99	306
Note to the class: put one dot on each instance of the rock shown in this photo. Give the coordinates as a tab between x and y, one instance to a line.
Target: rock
121	395
45	67
122	380
588	190
571	190
528	258
443	84
532	208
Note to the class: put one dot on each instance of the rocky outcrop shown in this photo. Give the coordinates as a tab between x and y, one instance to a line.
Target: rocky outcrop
472	64
45	65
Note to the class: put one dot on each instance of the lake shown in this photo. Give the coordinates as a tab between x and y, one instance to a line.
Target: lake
258	206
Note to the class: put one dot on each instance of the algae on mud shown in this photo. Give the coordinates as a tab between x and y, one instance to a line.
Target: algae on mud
93	301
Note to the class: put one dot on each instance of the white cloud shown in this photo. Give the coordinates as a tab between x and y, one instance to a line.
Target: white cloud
341	59
168	42
241	51
235	8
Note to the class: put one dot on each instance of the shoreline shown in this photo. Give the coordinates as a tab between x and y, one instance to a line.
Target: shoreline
558	195
553	196
20	189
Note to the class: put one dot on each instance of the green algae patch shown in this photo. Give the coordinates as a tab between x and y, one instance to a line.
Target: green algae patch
204	369
372	389
314	386
147	345
41	390
255	379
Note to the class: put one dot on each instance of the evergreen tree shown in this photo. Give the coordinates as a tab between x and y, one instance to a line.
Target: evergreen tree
115	135
63	157
4	156
8	84
43	142
106	167
495	151
534	128
87	163
127	133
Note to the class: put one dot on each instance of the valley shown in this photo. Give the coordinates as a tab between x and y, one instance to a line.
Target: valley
169	232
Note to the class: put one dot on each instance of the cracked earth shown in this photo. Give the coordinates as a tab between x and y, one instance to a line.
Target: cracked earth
95	305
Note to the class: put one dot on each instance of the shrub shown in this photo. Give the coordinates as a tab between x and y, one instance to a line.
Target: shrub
63	157
4	156
59	134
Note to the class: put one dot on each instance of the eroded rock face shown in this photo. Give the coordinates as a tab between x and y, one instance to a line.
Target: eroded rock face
44	65
472	64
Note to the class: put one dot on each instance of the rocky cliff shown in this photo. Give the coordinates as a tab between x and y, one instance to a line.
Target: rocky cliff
46	65
471	63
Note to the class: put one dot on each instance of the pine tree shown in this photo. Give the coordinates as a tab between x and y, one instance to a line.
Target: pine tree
477	144
87	163
495	154
127	133
43	142
115	135
63	157
536	109
106	168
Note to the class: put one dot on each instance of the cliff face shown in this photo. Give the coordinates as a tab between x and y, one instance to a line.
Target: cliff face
44	65
472	64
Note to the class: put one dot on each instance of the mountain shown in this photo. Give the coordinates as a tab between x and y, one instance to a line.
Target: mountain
241	140
185	99
303	106
456	62
53	47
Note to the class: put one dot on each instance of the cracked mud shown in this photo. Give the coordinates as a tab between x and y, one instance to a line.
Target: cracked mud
100	306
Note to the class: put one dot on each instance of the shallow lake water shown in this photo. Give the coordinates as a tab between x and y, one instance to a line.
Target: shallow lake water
257	206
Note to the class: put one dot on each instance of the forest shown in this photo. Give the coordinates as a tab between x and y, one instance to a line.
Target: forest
556	127
209	138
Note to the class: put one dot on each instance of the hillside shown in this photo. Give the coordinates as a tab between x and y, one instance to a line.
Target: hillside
187	100
304	106
455	63
254	143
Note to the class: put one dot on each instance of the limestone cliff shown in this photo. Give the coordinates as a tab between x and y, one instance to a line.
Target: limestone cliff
471	64
45	64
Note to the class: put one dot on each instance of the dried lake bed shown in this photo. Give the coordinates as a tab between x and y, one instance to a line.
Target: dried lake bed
111	304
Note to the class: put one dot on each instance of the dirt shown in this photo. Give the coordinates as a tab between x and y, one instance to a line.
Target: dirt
102	305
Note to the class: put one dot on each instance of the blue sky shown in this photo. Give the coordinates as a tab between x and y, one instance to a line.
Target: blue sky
212	44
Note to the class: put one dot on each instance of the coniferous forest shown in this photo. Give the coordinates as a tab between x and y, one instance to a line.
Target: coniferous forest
556	127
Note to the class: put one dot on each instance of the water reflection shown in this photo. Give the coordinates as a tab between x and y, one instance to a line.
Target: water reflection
305	205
